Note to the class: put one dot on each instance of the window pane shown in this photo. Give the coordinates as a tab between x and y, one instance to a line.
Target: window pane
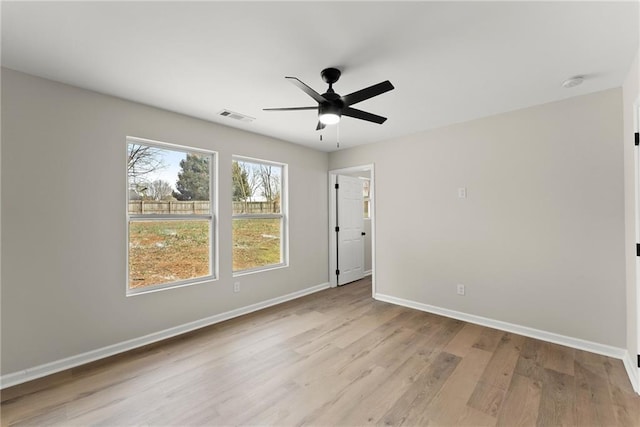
257	188
256	242
168	251
165	182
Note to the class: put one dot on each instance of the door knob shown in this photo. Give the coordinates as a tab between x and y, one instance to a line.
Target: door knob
363	233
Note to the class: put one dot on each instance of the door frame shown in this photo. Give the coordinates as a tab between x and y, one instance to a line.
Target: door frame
332	220
636	126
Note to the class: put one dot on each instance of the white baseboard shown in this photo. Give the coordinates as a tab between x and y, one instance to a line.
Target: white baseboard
367	273
632	371
580	344
40	371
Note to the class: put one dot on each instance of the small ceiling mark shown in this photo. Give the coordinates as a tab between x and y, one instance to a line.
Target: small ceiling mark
573	82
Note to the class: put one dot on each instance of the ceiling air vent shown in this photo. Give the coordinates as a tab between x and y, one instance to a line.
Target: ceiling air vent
235	116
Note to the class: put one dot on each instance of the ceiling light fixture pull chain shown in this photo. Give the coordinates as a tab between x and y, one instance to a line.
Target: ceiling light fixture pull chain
338	136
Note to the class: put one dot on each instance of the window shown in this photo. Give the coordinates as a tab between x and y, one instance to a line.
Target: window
366	193
170	215
259	215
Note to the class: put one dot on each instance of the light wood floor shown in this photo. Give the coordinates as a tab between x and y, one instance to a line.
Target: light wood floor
336	358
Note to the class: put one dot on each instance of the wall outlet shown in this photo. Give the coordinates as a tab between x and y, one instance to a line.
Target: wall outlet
462	192
236	287
460	290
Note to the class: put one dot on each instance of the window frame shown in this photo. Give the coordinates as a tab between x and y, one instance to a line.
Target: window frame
212	217
366	198
283	215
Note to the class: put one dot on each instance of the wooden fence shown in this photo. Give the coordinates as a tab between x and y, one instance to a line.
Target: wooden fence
256	207
197	207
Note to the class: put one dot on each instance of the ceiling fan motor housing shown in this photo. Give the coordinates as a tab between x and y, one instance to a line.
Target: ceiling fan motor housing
332	98
330	75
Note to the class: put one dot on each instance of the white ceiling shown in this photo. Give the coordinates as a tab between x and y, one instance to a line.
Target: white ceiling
449	62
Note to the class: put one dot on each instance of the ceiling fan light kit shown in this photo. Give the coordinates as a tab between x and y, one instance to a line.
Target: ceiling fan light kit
331	106
328	114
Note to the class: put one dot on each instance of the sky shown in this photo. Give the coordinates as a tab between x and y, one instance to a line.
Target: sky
170	172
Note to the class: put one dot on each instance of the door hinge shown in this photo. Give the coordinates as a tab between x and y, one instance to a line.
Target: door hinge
637	138
337	272
639	361
337	229
337	186
637	249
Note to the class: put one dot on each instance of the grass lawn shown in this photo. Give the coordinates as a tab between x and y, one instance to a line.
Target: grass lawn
168	251
256	242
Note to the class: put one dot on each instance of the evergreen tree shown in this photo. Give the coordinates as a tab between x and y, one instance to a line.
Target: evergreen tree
193	181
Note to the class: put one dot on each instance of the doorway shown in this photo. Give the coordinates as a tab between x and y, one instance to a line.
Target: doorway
357	214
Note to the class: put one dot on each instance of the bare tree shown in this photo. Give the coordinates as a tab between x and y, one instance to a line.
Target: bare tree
241	188
159	190
143	160
254	180
269	181
245	183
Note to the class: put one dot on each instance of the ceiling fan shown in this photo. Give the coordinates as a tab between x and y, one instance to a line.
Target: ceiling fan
332	106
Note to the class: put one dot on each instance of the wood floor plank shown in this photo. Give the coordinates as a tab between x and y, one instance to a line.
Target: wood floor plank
487	398
374	405
464	340
521	404
492	386
408	407
488	339
559	358
503	361
474	418
336	357
451	400
531	360
557	399
335	406
593	400
626	402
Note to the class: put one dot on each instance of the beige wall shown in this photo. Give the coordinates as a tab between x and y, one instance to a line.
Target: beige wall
63	221
538	242
631	95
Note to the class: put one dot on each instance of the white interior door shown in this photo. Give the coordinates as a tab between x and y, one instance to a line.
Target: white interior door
350	226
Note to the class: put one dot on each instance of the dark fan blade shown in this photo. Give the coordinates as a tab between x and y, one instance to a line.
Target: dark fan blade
366	93
363	115
306	89
320	126
290	108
